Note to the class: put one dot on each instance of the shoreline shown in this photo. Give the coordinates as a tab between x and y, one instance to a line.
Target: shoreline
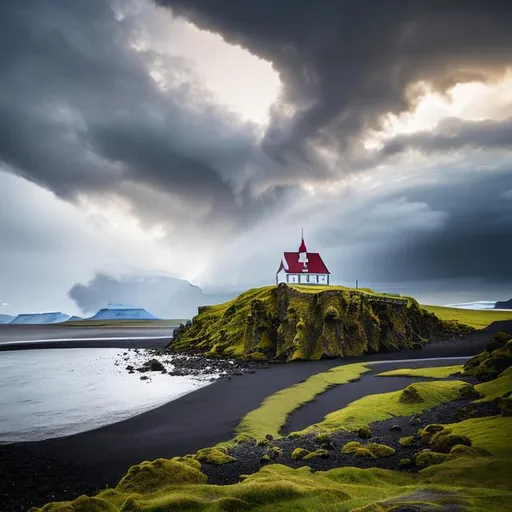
88	462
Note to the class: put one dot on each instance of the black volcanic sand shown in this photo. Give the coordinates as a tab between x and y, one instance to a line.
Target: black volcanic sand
340	396
58	469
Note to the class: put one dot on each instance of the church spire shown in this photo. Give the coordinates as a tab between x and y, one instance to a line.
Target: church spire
302	247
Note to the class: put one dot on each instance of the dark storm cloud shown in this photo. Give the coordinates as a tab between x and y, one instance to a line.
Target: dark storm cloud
344	63
80	113
462	229
475	239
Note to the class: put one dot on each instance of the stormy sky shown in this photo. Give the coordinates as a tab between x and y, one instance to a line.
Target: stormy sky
194	139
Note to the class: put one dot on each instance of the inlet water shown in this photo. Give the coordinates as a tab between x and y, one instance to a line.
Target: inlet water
49	393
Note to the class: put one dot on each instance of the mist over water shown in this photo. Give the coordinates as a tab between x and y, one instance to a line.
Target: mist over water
57	392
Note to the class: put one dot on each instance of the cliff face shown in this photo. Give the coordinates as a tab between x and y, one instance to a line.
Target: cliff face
294	323
506	304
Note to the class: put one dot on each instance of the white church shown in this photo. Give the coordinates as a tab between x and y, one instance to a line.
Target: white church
302	267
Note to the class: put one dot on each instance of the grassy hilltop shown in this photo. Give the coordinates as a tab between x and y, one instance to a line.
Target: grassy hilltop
307	323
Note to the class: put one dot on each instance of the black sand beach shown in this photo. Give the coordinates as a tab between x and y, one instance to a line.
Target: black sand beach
56	469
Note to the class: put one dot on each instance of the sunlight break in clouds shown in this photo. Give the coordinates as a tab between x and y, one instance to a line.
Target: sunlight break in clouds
238	79
471	101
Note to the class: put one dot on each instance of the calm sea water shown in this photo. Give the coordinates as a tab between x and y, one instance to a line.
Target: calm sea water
51	393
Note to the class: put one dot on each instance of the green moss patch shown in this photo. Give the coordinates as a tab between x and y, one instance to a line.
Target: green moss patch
411	395
444	441
439	372
406	441
364	453
427	458
380	450
404	462
492	433
431	429
299	453
150	476
492	362
320	453
461	450
217	456
364	432
496	388
351	447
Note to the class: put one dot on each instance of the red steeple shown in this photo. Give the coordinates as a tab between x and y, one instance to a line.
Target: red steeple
302	247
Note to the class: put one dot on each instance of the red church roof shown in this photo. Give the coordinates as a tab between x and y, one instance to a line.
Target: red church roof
302	247
293	266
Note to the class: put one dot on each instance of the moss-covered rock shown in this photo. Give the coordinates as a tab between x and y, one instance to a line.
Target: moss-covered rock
324	440
150	476
364	432
275	452
320	453
444	441
430	429
380	450
468	392
491	362
215	456
293	323
410	395
190	460
299	453
505	406
365	453
406	441
265	458
404	462
427	458
461	450
351	447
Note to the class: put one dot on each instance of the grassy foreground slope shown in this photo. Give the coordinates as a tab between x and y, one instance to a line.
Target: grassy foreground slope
461	466
279	488
477	318
308	323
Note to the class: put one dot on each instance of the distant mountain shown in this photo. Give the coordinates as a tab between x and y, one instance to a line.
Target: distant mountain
505	304
123	314
39	318
165	297
5	319
74	318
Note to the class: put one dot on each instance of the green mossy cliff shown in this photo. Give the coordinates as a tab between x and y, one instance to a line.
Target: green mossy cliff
287	323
